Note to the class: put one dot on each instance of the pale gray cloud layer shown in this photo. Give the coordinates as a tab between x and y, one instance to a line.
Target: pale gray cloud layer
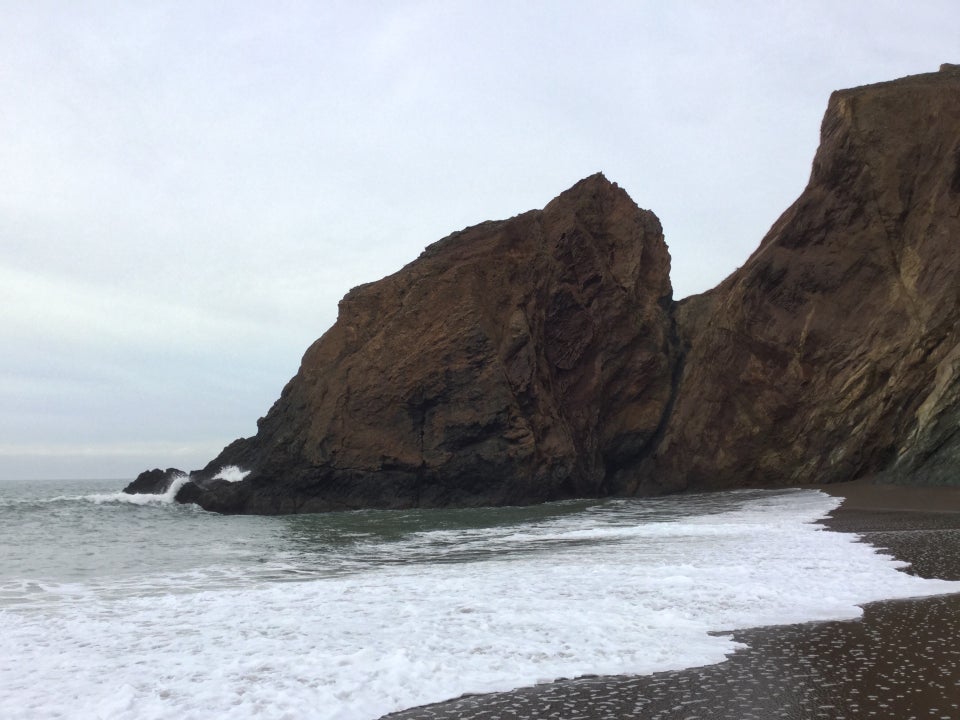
188	188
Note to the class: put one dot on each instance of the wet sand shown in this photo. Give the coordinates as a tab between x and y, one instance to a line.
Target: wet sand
900	661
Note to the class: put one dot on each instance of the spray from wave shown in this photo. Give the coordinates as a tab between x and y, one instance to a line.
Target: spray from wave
231	473
166	498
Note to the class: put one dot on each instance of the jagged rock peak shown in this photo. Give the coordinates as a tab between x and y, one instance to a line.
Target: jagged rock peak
831	354
514	361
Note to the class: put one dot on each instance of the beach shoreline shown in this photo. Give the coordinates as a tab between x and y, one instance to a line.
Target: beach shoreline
863	495
901	659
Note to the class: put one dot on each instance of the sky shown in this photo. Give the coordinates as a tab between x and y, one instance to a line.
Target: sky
188	188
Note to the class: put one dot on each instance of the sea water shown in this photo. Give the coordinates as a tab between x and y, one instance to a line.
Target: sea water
117	606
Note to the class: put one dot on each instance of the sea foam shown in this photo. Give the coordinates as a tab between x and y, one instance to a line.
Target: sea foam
231	473
164	498
608	590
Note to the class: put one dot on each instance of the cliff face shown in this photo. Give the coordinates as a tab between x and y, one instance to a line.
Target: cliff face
833	352
513	362
542	357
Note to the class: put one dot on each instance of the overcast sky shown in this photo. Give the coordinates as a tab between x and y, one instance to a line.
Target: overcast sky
188	188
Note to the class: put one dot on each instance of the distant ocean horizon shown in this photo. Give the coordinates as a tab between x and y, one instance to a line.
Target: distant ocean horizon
132	606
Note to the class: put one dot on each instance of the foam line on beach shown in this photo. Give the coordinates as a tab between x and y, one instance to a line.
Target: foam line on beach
395	636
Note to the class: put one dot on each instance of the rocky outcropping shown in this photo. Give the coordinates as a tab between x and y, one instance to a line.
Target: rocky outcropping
153	482
542	357
833	353
513	362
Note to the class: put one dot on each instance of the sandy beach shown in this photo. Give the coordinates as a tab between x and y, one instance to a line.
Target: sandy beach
900	661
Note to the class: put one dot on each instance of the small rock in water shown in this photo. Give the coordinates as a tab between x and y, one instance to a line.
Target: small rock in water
153	482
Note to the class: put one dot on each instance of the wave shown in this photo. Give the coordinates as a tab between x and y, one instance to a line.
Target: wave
137	498
231	473
393	636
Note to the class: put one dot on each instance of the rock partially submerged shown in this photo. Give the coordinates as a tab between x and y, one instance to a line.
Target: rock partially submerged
153	482
189	486
542	357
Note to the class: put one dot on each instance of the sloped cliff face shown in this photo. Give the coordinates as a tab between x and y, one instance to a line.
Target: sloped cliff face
833	353
513	362
542	357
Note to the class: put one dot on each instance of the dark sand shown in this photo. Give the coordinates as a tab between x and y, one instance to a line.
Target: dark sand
900	661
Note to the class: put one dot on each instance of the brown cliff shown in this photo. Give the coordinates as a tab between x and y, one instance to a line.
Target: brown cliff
513	362
833	353
542	357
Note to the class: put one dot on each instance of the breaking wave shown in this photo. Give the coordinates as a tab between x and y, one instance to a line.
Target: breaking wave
231	473
388	617
139	498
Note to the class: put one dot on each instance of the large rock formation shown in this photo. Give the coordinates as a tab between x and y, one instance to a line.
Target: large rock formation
542	357
513	362
833	353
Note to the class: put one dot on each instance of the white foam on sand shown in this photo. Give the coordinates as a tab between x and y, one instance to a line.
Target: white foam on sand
609	598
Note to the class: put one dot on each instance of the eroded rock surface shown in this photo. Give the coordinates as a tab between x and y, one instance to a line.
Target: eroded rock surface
513	362
542	357
833	352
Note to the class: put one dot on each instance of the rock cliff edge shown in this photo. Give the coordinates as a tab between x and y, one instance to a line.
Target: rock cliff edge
543	357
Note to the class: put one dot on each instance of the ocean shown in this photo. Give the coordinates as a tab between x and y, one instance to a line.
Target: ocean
118	606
